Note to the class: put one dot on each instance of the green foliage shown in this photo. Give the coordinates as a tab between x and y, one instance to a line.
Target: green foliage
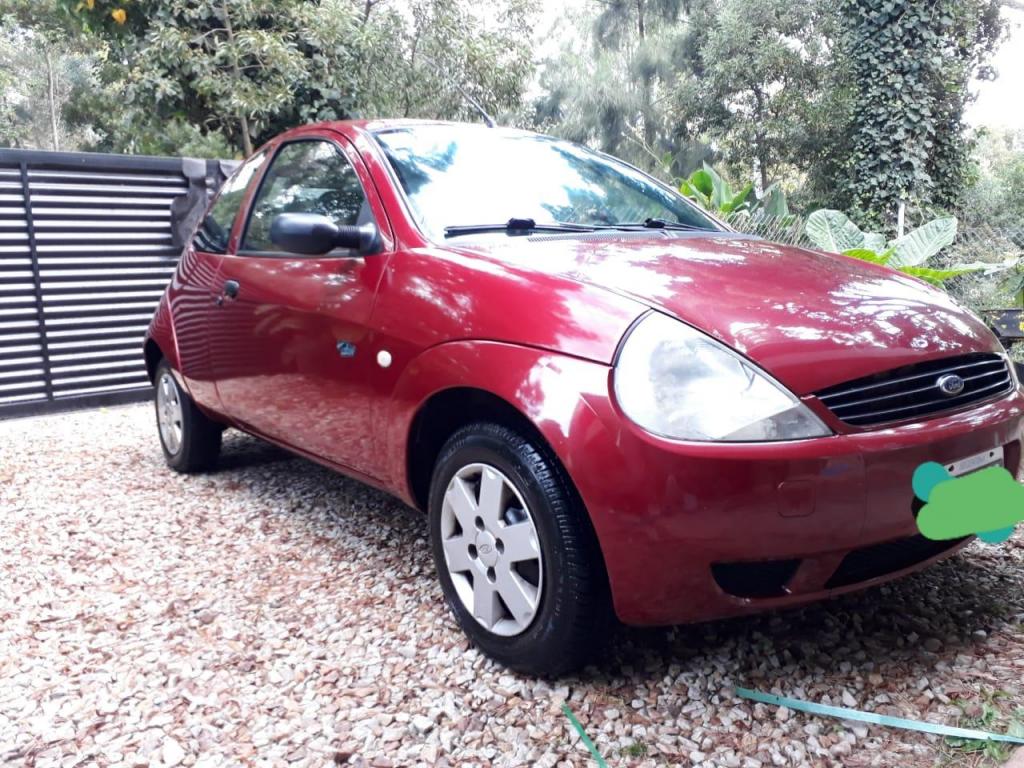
997	197
919	245
753	88
637	749
610	89
713	193
773	202
938	276
985	714
760	85
40	72
229	67
218	73
910	64
867	254
854	105
833	231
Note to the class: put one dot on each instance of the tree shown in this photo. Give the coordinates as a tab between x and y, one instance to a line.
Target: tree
747	83
910	65
762	97
40	74
611	87
226	66
452	52
996	199
247	70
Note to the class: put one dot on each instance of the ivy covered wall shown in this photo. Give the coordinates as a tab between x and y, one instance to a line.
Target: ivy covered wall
910	64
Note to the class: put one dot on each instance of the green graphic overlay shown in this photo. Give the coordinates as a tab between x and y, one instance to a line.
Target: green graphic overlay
988	503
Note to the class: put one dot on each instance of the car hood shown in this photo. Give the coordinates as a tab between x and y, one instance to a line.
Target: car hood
810	319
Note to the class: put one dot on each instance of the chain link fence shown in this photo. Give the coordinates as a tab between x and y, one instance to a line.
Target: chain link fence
984	291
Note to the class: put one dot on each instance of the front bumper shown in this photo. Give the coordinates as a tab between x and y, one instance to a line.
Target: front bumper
696	531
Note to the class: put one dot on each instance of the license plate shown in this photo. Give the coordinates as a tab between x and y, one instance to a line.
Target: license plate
989	458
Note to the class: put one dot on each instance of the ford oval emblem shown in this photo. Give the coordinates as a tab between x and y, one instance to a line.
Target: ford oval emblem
950	384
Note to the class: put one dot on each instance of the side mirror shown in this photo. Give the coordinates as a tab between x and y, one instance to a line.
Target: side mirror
314	235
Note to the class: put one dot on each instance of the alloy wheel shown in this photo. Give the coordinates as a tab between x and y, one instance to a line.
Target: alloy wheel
169	413
492	550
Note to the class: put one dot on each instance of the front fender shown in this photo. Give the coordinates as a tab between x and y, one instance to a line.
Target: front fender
548	388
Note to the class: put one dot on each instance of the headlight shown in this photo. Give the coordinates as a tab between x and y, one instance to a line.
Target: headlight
679	383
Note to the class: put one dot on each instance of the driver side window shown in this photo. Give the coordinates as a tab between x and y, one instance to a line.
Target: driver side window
310	176
214	231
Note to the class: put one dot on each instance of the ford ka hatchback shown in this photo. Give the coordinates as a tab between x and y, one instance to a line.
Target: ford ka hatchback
608	403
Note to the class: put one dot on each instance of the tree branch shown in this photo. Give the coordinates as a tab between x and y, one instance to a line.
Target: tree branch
242	117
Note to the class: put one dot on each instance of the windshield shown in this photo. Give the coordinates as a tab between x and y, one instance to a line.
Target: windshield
471	175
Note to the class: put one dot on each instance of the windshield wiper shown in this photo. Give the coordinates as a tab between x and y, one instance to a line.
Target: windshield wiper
655	224
514	226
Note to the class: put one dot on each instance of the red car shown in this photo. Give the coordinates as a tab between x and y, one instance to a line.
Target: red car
608	403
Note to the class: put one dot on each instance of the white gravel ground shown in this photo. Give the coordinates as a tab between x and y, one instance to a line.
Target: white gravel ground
273	613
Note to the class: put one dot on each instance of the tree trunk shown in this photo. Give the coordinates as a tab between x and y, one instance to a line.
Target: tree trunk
647	85
760	148
247	147
52	90
243	119
407	96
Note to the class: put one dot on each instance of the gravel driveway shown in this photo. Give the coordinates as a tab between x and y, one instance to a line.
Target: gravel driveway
274	613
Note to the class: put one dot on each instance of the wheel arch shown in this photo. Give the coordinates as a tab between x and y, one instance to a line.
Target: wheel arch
153	355
447	411
541	394
450	409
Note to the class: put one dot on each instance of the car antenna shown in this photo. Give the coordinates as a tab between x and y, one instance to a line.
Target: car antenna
488	120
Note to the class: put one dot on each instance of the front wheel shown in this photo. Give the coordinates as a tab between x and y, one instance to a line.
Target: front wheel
516	556
190	440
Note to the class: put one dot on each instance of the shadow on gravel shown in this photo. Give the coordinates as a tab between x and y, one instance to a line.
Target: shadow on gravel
244	452
905	627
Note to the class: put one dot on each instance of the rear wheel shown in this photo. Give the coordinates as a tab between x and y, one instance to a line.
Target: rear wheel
515	554
190	440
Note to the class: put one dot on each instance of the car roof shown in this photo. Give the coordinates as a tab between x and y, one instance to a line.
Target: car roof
376	125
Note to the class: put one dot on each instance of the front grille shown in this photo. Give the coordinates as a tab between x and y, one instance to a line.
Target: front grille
885	558
913	391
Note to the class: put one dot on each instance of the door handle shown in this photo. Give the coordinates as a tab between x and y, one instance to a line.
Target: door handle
230	291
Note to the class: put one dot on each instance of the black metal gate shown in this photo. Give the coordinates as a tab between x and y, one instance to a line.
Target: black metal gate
87	244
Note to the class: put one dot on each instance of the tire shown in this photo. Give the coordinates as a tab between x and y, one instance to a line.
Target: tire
566	622
190	441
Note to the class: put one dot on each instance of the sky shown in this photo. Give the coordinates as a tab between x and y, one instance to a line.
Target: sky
1000	103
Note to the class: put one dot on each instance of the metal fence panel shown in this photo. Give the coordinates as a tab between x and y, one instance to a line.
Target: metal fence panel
87	244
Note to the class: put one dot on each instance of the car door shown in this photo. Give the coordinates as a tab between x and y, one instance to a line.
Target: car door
196	284
296	365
